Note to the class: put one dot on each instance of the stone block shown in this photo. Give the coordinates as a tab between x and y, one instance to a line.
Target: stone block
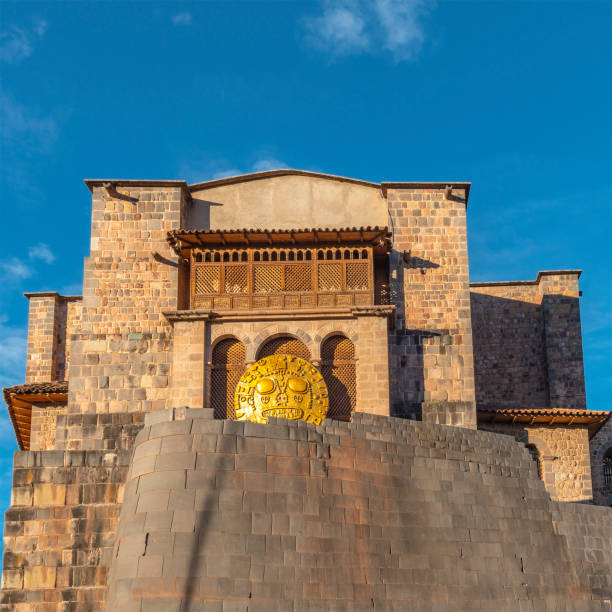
39	577
49	494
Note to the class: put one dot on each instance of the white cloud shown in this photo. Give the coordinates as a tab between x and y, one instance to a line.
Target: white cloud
340	30
204	169
225	172
14	269
268	163
41	252
370	26
182	19
21	125
18	43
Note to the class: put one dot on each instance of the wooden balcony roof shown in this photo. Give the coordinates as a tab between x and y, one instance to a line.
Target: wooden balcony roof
594	419
20	399
181	240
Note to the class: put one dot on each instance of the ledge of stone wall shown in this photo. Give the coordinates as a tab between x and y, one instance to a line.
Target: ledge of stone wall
379	513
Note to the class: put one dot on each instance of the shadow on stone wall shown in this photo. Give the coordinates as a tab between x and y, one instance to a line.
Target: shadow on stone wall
527	354
510	366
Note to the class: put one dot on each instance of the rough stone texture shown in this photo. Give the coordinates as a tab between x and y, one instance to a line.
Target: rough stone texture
600	445
121	358
51	322
565	465
97	431
43	425
60	529
380	513
431	348
527	342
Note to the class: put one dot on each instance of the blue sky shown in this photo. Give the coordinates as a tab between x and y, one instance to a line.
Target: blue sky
513	96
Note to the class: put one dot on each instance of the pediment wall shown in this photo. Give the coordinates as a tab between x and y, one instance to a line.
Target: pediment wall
284	202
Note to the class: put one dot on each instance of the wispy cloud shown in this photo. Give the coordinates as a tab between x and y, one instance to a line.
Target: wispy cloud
349	27
267	163
23	126
204	170
18	43
41	252
182	18
224	172
340	30
14	270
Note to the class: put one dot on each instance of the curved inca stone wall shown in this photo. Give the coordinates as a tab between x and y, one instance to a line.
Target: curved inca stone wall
377	514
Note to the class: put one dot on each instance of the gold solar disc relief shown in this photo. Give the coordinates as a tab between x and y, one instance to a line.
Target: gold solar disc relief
283	386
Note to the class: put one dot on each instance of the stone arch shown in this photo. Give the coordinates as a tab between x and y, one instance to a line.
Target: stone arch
546	470
274	331
339	372
284	343
331	329
606	465
227	366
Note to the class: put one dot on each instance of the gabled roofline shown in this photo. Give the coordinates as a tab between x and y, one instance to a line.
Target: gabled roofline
254	176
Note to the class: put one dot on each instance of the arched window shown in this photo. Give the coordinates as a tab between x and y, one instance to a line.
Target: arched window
227	367
284	345
607	467
535	455
339	373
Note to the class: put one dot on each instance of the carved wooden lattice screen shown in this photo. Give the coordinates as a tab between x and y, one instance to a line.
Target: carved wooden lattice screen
338	370
282	278
284	345
227	367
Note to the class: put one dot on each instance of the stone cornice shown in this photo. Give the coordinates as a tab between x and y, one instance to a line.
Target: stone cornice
279	315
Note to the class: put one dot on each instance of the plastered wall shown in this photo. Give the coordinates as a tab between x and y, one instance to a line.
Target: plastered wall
286	202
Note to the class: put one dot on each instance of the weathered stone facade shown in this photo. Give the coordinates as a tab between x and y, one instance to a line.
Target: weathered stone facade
601	453
127	493
528	344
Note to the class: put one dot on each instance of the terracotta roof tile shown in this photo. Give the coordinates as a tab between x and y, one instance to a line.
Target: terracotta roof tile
19	400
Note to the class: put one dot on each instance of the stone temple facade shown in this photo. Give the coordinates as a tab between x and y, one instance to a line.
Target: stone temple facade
458	467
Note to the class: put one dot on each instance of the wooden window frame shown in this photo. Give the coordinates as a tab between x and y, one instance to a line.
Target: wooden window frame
282	298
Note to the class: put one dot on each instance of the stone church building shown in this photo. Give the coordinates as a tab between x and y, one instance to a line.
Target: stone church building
458	467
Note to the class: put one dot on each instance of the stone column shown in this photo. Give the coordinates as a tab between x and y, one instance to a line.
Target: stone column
431	356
